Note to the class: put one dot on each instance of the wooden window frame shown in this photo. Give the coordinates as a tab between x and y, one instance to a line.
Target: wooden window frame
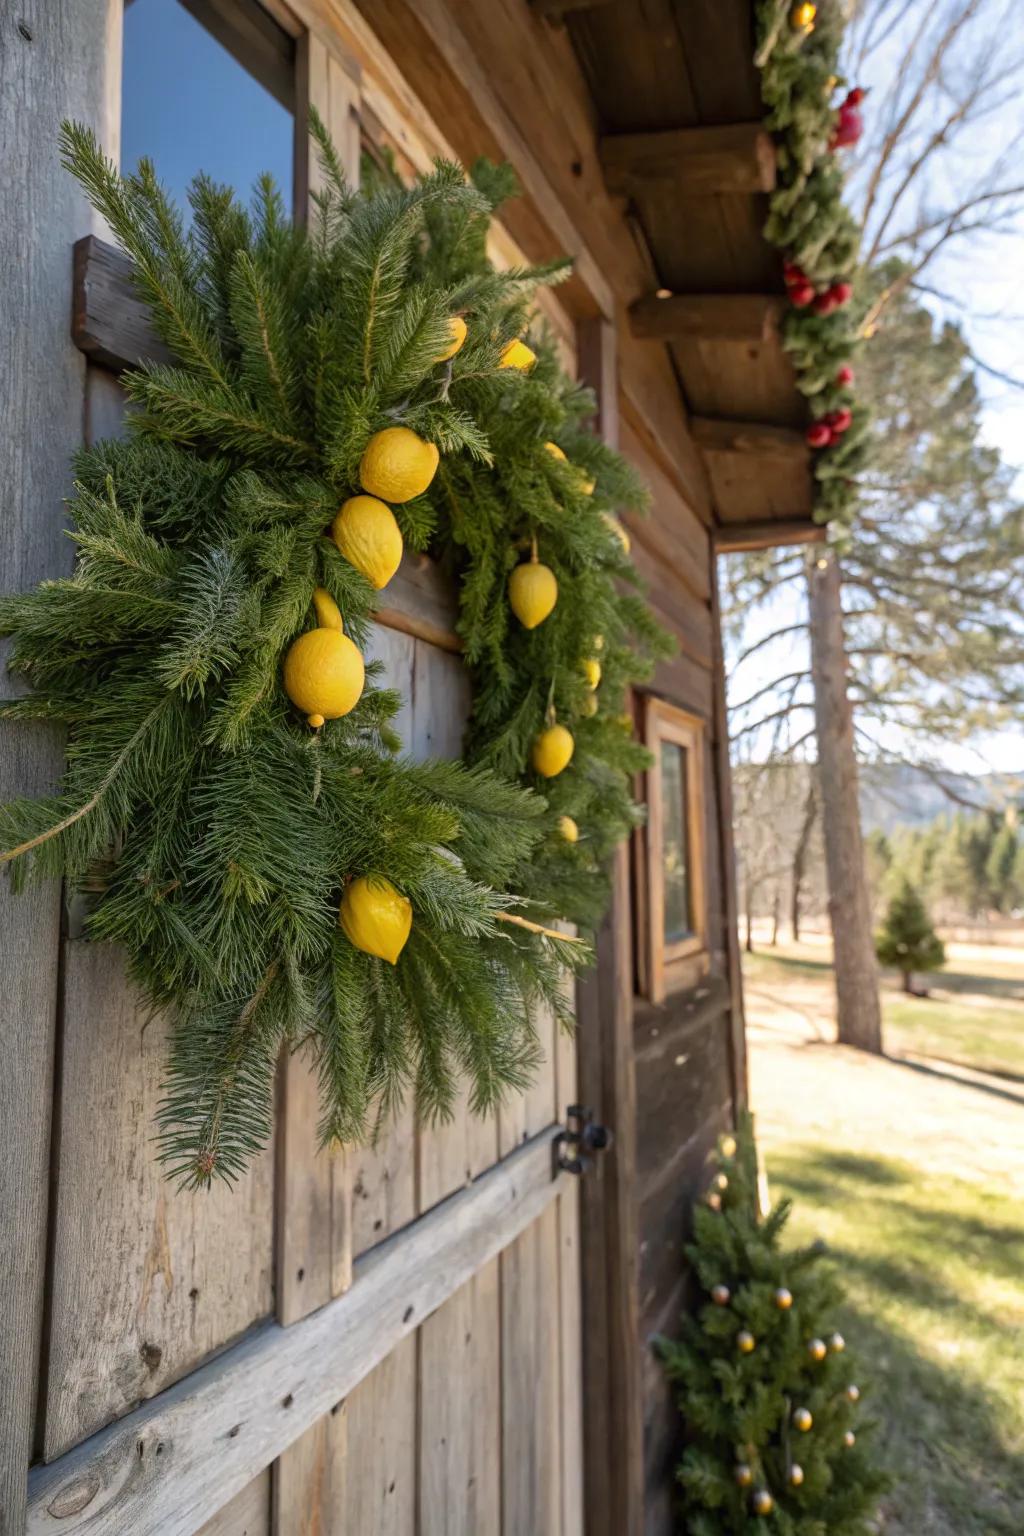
667	968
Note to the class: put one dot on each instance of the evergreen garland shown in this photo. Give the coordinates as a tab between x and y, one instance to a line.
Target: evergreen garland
819	237
216	831
768	1390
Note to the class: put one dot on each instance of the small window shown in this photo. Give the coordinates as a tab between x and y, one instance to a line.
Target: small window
208	85
671	905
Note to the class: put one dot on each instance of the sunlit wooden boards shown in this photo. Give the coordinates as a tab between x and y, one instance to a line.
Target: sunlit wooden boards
734	157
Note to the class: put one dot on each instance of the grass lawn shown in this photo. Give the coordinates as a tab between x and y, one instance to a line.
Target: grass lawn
916	1181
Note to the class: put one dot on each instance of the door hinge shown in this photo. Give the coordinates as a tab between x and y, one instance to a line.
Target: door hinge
580	1138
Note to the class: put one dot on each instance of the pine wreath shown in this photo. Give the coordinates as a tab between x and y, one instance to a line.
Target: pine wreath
220	830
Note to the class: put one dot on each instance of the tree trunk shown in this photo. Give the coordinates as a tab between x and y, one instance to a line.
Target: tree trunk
858	1008
800	859
776	904
908	983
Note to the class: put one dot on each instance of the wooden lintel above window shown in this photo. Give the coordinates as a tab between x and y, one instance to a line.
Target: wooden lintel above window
749	440
744	538
694	162
747	317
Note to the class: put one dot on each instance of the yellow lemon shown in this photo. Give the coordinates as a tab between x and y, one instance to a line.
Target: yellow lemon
802	1420
375	917
616	527
397	465
598	643
587	485
552	751
366	533
532	592
568	828
324	675
745	1342
458	328
802	17
556	452
516	354
592	671
589	706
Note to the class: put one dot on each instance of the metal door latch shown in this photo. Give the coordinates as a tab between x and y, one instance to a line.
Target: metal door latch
581	1137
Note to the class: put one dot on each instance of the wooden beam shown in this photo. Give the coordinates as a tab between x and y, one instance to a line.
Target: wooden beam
694	162
748	439
750	317
741	538
175	1461
110	323
557	10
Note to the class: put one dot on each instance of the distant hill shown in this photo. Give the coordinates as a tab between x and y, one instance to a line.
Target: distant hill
898	795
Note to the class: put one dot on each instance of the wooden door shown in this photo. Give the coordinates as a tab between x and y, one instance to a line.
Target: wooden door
381	1340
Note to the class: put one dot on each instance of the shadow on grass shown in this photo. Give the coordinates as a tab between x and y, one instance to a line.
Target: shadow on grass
946	1442
933	1068
1011	988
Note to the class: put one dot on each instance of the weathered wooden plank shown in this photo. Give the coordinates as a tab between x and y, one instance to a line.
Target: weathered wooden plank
570	1323
248	1513
748	439
379	1417
531	1459
146	1282
460	1412
314	1200
309	1479
733	157
727	855
710	317
742	538
167	1467
110	321
55	61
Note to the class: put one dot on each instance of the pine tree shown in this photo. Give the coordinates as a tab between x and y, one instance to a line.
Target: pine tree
906	939
215	831
1000	867
766	1386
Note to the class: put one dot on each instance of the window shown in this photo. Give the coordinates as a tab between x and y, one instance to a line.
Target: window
671	905
208	85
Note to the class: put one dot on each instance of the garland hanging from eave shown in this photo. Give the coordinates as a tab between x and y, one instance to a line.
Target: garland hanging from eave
798	55
276	872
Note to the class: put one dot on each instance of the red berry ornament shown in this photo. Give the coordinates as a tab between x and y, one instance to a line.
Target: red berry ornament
825	303
819	434
841	421
801	294
842	293
855	97
844	377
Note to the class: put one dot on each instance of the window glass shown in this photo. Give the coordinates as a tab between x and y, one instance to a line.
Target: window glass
675	853
208	85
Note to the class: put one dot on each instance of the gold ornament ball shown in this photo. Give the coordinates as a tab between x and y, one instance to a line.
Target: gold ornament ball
397	465
458	330
727	1146
783	1299
802	1420
375	917
743	1474
714	1200
721	1182
802	17
516	354
849	1439
552	751
762	1503
745	1342
796	1474
367	535
853	1393
532	593
568	828
817	1349
598	643
837	1343
720	1295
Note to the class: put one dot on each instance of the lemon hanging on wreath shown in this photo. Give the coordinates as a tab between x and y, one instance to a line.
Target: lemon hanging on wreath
323	671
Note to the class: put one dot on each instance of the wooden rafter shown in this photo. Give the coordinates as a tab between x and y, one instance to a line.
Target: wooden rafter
695	162
749	317
748	439
742	538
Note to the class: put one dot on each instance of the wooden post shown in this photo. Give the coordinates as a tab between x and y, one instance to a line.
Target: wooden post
612	1382
727	854
55	61
858	1009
